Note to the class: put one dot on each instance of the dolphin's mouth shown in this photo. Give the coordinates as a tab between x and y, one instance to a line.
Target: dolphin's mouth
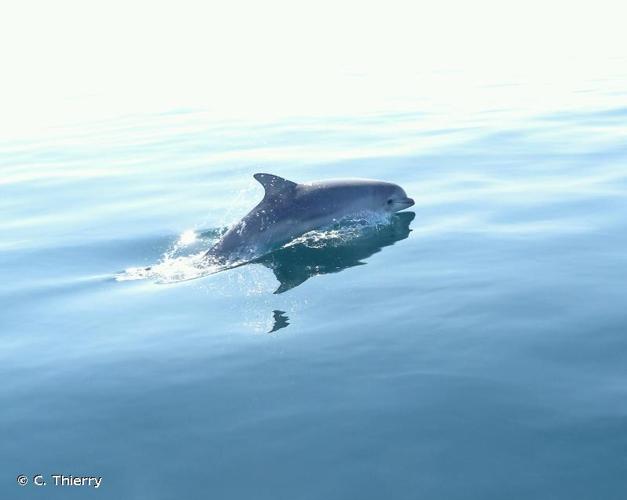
403	204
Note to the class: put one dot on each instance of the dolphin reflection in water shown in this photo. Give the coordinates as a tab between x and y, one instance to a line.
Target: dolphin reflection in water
294	264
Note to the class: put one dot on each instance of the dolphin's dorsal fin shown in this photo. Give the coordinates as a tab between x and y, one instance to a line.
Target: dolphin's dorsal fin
275	185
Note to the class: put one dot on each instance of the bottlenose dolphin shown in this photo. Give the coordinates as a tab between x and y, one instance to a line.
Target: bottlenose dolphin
289	210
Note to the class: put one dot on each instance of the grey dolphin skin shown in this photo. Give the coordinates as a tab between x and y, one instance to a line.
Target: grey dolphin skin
289	210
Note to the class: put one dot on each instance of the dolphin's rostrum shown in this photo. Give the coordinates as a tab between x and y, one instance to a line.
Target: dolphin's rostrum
289	210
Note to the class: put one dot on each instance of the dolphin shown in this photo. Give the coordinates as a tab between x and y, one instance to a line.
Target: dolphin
289	210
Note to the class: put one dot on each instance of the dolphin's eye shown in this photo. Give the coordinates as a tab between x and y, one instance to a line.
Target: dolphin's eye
390	201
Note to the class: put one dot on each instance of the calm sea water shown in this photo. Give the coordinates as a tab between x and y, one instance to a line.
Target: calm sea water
474	347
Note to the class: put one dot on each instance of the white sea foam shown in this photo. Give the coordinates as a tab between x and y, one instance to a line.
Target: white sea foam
184	260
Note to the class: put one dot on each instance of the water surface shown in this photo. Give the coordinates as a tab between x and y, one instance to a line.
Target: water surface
474	347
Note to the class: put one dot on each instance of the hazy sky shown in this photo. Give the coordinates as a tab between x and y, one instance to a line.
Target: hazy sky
65	60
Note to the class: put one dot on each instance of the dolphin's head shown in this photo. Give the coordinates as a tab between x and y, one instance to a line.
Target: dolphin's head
392	197
364	194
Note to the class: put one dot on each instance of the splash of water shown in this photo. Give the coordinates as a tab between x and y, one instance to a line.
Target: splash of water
343	231
186	259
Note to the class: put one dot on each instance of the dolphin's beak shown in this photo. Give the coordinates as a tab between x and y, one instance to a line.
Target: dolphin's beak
405	203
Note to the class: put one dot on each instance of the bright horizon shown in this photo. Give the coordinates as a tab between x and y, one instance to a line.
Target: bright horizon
73	62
